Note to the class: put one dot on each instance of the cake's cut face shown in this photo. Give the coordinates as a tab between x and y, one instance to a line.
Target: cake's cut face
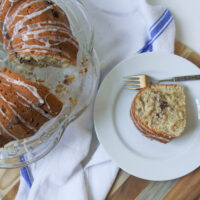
24	106
37	32
159	110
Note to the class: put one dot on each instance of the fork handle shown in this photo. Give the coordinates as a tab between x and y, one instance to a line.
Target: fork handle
187	78
182	78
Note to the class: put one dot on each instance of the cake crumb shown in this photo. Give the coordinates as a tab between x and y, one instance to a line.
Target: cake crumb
69	79
84	70
60	86
40	81
73	101
83	63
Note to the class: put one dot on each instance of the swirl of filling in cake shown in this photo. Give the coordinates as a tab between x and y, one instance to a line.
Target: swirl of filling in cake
37	32
24	106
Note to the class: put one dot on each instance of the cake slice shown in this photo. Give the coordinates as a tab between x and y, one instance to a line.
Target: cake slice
24	106
37	33
159	112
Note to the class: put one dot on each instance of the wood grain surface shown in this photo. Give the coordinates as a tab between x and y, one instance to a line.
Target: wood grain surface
128	187
9	178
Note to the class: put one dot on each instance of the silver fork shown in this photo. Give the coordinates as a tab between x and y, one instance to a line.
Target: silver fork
137	82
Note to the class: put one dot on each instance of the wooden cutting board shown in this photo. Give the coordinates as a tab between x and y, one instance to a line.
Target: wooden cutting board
128	187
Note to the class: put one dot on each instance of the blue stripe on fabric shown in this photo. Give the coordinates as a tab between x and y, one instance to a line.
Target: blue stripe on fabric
158	34
161	31
146	49
161	24
164	21
25	172
157	21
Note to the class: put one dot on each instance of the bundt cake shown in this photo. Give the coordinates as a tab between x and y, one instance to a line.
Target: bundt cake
24	106
159	112
37	32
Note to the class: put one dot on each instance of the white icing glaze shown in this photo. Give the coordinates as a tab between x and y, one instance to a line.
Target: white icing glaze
24	104
7	132
48	106
13	0
20	23
28	103
31	88
10	104
5	84
48	116
35	47
3	4
34	31
3	114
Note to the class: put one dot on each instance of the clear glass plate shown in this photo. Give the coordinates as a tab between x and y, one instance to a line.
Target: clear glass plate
76	96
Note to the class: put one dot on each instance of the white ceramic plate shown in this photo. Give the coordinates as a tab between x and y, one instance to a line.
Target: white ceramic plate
133	152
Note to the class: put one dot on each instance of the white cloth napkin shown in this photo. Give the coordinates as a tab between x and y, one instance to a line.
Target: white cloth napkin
78	168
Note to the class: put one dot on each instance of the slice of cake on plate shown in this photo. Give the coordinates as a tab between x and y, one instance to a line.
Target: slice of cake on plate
159	112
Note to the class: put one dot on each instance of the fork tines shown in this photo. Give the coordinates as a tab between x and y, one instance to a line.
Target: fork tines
137	81
132	77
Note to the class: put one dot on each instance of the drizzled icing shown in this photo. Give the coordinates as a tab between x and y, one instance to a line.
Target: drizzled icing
3	114
24	101
31	88
7	132
48	116
10	105
36	32
48	106
24	104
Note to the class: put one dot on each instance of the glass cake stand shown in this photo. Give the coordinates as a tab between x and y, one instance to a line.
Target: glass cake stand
23	152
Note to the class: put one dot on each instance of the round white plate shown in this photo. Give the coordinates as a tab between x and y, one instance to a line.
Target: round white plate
133	152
